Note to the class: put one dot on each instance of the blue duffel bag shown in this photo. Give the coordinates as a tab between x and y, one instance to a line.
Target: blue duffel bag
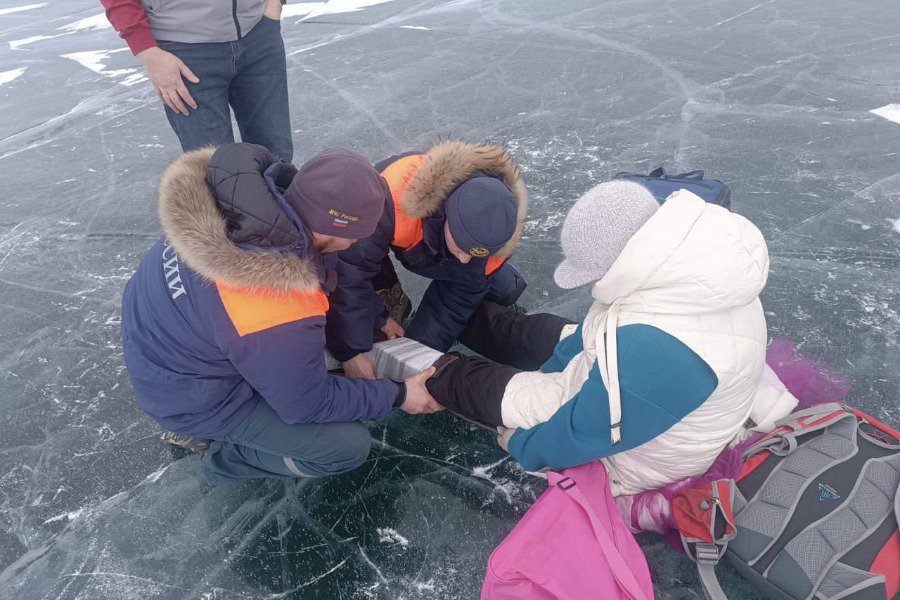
662	185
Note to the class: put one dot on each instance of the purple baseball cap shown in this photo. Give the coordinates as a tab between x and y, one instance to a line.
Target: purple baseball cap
338	192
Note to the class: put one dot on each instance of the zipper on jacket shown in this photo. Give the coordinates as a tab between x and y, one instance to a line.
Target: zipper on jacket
237	24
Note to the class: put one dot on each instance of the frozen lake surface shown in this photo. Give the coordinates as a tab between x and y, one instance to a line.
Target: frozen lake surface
794	104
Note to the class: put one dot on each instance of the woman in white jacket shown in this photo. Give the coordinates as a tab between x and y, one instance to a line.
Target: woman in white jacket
663	371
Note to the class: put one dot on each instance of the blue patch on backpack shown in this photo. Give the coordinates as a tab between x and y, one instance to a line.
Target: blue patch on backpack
826	492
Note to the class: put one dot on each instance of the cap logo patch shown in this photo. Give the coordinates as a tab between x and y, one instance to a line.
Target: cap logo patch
341	219
479	251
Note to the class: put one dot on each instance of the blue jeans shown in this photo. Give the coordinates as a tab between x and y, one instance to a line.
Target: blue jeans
248	74
264	446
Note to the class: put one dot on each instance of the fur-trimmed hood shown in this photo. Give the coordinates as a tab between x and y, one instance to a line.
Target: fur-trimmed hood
196	230
449	164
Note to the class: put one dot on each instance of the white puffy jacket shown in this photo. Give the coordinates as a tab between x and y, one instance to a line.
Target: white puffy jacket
694	271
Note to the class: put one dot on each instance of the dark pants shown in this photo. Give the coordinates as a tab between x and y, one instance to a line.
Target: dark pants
511	342
248	74
265	446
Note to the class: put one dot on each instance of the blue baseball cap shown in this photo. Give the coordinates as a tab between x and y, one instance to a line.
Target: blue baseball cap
481	214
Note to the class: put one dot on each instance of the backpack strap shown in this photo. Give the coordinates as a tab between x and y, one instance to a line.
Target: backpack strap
698	174
706	523
618	566
782	440
608	362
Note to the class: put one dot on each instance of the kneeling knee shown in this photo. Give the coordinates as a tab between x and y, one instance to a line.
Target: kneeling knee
355	449
349	446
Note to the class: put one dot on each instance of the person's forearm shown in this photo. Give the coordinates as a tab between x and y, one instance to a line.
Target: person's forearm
129	19
337	399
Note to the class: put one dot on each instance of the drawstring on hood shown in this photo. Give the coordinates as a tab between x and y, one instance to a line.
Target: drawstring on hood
674	274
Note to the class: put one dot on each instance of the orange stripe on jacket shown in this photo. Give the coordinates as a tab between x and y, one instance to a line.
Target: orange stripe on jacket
408	230
494	263
257	310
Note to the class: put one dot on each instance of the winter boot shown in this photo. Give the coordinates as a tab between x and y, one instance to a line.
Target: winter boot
191	444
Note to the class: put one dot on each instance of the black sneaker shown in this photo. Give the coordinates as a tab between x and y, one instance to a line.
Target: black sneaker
191	444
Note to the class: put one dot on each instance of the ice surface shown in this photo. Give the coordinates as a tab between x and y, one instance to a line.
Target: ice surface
773	97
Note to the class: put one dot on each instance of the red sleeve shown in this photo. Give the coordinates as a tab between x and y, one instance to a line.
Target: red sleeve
129	18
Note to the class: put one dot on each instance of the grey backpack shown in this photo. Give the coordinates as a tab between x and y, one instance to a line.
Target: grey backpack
814	513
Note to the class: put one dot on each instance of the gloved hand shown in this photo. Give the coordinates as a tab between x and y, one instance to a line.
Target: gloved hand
503	435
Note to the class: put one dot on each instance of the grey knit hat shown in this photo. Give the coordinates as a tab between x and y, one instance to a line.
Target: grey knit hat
597	228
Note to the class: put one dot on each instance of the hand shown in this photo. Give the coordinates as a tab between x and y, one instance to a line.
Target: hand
418	400
392	329
165	71
273	10
359	366
503	435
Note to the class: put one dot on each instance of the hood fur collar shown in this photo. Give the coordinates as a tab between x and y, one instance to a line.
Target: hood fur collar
449	164
195	229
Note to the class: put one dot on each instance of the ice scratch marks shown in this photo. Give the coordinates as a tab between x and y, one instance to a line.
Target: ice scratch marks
739	15
891	112
308	583
371	564
124	576
96	60
24	7
11	75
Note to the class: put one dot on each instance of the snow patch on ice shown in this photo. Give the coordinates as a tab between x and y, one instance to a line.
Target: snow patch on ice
419	27
154	477
335	7
24	7
18	44
483	471
7	76
387	535
298	9
891	112
97	22
95	60
69	516
897	225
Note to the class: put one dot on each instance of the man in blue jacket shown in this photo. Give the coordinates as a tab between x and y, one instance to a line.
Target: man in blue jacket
223	323
454	215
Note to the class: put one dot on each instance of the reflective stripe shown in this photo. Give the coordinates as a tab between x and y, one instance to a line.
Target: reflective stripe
407	229
257	310
292	467
494	263
399	174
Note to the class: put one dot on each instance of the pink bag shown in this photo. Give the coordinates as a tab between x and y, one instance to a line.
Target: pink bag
572	544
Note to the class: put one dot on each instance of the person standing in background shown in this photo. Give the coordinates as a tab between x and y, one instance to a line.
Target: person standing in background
203	56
